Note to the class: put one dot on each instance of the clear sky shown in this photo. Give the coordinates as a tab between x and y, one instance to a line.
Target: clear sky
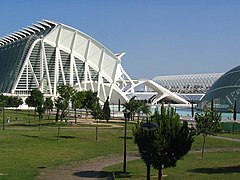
160	37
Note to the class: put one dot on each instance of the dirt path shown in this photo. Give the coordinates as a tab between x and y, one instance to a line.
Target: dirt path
226	138
92	169
88	170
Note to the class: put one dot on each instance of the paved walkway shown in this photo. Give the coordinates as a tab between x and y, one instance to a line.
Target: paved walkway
226	138
90	170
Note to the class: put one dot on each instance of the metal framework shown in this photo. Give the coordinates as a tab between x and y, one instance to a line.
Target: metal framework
49	54
188	84
224	91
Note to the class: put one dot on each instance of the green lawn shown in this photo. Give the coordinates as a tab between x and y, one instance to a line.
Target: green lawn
223	166
221	161
25	150
230	135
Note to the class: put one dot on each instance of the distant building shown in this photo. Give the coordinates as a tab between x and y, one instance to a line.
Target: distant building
190	86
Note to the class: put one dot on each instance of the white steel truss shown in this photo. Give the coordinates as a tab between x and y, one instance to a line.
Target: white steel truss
63	55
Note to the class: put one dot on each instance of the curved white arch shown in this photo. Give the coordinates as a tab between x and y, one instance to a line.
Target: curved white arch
65	55
161	92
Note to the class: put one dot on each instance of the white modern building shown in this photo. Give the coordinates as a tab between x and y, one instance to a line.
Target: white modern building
49	54
189	86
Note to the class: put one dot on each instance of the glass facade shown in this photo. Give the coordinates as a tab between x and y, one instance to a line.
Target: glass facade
224	91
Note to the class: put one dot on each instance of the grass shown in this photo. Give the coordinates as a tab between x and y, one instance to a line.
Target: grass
221	161
25	150
230	135
192	167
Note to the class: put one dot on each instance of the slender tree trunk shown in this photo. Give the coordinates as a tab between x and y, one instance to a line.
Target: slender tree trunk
35	113
97	131
148	171
57	115
39	124
75	115
86	114
160	174
48	113
203	145
138	117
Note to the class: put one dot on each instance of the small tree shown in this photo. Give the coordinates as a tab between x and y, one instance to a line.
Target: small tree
97	113
106	110
48	105
63	100
36	100
166	145
78	99
207	123
90	100
133	106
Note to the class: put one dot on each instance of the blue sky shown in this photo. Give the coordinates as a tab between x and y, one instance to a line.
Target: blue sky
159	37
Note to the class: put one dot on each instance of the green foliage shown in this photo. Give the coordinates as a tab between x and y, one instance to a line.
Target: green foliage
207	123
97	112
48	105
36	100
106	110
135	106
10	101
90	101
166	145
63	100
78	99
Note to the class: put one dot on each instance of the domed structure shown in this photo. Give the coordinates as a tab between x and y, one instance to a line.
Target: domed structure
224	91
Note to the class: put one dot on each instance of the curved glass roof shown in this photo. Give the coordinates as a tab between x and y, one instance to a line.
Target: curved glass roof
226	84
188	84
224	91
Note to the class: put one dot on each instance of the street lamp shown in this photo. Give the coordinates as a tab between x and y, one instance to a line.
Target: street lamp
126	116
149	127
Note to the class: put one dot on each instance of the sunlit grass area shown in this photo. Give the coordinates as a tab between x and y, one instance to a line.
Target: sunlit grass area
216	165
25	150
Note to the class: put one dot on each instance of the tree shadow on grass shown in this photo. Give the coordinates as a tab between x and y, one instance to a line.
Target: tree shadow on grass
24	135
101	174
122	137
67	137
23	125
219	170
62	137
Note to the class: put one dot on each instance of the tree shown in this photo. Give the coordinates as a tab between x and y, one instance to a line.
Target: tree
166	145
90	100
106	110
142	107
133	106
48	105
11	101
207	123
36	100
78	99
63	100
97	113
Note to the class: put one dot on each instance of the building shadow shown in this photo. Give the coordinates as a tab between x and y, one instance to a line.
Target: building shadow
219	170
